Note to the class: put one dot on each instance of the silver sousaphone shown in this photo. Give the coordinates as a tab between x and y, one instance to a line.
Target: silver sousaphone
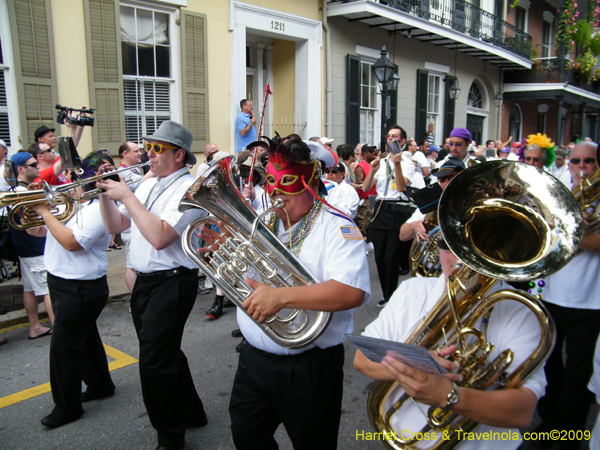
252	249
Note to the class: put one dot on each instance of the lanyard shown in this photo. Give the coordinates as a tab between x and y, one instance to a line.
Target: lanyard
187	172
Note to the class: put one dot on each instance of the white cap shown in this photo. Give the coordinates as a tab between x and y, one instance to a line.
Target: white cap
321	153
326	140
3	144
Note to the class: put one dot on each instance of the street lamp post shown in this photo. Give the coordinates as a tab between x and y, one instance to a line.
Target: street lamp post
384	71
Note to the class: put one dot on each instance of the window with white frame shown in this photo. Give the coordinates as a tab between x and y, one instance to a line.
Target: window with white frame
521	18
546	40
147	58
434	102
4	125
368	102
476	98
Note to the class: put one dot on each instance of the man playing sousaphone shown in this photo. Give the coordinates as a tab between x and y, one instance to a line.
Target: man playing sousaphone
510	326
301	388
499	381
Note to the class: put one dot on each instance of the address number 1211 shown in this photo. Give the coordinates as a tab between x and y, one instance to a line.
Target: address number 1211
278	26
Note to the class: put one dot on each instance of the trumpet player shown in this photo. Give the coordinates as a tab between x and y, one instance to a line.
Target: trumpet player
572	295
30	250
165	289
76	261
511	325
301	388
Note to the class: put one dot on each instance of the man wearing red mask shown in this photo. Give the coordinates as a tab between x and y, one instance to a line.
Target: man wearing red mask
301	388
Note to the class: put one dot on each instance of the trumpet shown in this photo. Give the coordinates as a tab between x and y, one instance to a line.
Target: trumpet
61	200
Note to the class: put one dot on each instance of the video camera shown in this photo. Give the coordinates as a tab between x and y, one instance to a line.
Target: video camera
79	119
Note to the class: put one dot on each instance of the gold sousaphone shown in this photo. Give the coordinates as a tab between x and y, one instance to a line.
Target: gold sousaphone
253	248
504	221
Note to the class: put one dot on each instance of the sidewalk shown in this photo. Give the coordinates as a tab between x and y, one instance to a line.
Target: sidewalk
11	291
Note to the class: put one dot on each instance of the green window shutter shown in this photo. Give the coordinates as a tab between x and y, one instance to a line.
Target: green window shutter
194	77
449	107
105	72
33	50
421	113
353	100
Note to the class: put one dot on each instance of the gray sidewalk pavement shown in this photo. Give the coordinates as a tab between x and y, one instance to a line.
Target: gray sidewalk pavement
11	291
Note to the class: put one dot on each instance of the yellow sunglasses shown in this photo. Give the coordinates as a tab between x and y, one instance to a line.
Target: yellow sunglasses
158	148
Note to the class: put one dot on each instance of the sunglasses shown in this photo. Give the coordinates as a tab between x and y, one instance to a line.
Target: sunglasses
48	151
327	171
327	145
158	148
447	178
530	159
31	165
585	160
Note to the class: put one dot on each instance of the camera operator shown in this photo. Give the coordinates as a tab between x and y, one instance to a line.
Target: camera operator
49	165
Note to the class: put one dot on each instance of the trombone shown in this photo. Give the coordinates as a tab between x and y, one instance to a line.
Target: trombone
61	199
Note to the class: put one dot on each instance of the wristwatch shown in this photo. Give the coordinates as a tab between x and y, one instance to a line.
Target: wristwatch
452	397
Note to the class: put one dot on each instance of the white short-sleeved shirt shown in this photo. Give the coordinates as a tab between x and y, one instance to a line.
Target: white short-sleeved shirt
511	326
385	178
350	196
261	201
327	255
576	285
161	197
336	197
89	263
133	178
420	158
201	168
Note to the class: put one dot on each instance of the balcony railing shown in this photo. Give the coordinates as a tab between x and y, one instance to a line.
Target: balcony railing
465	18
553	73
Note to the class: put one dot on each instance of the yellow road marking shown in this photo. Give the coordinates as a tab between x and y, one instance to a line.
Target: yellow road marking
120	360
19	326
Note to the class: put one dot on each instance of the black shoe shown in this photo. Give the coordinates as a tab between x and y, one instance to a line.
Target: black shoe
196	422
228	304
176	447
404	272
3	311
216	309
236	333
54	421
241	345
381	303
90	394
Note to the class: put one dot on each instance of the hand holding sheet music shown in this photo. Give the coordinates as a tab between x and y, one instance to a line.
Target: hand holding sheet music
415	356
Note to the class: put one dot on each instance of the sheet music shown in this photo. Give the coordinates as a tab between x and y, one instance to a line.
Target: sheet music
412	355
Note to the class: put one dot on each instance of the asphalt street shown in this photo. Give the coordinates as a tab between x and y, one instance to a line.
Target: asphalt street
121	422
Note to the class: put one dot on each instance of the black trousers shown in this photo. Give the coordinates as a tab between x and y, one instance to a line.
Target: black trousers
567	401
160	307
391	254
76	350
304	392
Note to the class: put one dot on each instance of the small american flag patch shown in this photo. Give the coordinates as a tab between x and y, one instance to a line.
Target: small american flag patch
351	233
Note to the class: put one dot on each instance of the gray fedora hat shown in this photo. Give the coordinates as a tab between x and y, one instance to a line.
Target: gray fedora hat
176	134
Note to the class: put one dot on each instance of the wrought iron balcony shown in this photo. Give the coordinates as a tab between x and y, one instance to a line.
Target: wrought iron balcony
465	18
551	71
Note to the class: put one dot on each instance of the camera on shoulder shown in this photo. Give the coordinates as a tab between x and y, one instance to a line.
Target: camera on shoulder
78	119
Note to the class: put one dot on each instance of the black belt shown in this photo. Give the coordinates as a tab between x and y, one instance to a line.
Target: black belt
275	356
397	204
160	274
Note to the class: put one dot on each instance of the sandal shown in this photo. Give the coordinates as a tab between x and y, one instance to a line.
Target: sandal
115	246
